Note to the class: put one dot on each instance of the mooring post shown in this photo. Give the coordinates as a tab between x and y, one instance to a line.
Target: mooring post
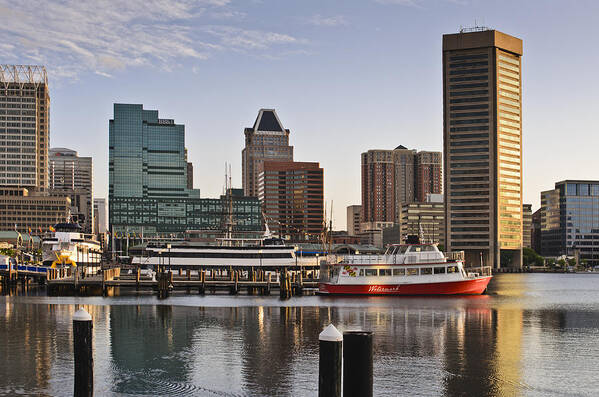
329	363
357	364
82	348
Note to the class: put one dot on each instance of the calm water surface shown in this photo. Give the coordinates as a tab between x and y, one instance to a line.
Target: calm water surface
533	335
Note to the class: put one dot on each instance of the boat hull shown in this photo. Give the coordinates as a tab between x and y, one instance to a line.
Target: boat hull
474	286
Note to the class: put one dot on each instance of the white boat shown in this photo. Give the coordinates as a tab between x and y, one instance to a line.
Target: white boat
181	254
404	269
67	244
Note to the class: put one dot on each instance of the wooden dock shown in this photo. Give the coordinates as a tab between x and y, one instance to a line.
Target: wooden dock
288	282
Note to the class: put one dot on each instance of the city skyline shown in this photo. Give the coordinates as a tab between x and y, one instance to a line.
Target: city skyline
397	102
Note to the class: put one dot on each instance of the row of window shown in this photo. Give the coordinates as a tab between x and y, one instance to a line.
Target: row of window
422	271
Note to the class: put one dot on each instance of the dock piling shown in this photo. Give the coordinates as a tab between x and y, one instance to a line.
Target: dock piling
82	348
329	363
357	364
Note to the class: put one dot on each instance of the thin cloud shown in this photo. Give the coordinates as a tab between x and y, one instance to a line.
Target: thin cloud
72	36
332	21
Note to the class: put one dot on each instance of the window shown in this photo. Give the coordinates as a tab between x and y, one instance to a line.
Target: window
439	270
452	269
370	272
384	272
412	272
425	271
399	272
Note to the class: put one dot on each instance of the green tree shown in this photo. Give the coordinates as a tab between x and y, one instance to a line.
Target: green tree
561	262
530	257
572	262
550	261
441	247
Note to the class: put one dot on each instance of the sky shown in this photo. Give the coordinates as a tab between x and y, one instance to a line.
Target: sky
344	77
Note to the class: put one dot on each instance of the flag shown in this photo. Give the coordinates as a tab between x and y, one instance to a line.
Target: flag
29	230
52	229
39	228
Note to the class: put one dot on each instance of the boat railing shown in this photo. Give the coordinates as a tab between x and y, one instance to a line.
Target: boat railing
455	256
357	259
479	271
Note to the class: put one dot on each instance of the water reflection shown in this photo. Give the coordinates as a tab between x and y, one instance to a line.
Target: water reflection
517	341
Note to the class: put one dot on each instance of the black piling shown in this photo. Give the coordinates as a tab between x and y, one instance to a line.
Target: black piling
82	348
357	364
329	364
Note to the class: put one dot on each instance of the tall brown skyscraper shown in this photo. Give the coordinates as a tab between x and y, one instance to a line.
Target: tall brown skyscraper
267	140
292	197
482	127
24	135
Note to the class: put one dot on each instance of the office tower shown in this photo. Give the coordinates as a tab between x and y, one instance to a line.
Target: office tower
20	210
100	216
148	182
482	146
527	225
428	174
354	217
267	140
292	197
24	126
424	219
71	176
536	231
569	221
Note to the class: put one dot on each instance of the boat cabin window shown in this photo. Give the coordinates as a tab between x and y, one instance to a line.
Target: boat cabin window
361	273
370	272
439	270
426	271
412	272
399	272
452	269
397	249
384	272
335	271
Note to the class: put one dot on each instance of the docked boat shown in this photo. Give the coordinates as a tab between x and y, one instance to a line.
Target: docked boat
404	269
268	251
68	245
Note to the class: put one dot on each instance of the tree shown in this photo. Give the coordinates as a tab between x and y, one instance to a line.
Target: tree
530	257
584	263
562	262
550	261
441	247
572	262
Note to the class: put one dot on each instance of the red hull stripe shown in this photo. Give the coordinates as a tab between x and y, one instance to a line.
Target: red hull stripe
466	287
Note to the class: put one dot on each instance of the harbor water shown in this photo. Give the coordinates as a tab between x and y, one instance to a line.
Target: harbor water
531	335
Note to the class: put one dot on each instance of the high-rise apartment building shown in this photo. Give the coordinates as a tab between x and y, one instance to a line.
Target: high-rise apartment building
379	201
482	112
425	220
292	197
24	126
570	219
392	178
428	174
71	175
354	218
267	140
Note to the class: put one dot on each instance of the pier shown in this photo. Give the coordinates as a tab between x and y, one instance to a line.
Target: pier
202	280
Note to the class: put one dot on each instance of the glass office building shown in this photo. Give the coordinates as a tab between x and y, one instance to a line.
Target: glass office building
148	181
570	220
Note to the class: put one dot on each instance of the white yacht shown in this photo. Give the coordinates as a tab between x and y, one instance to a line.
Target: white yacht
67	244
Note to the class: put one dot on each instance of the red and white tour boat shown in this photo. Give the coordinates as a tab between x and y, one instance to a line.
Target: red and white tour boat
404	269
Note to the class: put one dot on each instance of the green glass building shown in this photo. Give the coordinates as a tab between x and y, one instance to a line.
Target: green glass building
148	188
